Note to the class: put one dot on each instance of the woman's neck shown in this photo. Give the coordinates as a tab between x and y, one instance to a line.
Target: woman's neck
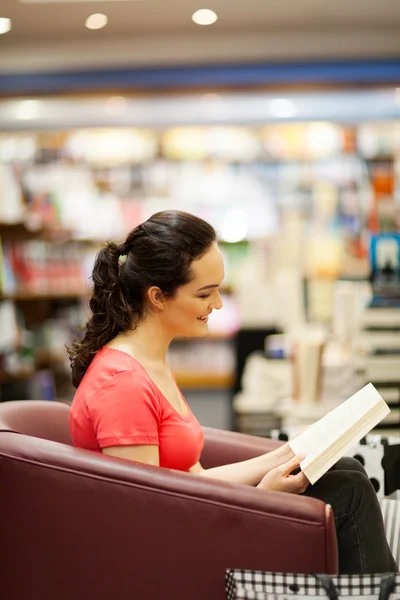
149	342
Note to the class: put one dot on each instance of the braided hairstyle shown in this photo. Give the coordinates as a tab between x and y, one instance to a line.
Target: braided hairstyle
159	252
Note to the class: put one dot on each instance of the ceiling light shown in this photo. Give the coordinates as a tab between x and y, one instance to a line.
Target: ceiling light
5	25
282	108
204	17
96	21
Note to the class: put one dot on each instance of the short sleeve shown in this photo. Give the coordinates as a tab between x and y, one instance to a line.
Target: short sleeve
125	411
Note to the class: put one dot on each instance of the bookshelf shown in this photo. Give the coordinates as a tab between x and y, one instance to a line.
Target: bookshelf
198	380
39	298
22	231
380	362
45	296
278	181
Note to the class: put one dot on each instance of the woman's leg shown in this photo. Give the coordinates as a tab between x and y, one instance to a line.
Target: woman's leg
359	524
348	463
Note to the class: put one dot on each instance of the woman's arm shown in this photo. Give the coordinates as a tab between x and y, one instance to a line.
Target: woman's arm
143	454
268	471
249	472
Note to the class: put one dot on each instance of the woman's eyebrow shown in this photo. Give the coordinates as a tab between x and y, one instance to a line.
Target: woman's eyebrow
207	287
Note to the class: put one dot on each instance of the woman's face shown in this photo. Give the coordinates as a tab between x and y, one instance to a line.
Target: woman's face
187	313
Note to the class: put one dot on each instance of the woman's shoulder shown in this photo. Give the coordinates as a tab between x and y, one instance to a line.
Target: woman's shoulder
112	370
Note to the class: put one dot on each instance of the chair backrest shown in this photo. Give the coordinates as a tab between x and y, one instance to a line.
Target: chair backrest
38	418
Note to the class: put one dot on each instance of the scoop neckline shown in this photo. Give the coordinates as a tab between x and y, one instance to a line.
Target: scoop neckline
185	417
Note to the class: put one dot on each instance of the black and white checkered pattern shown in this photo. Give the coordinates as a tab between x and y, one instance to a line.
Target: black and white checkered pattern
391	518
259	585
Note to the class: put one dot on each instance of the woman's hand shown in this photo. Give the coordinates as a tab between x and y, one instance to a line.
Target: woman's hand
282	454
280	478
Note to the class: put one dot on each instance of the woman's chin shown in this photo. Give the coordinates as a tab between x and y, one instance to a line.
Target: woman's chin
201	329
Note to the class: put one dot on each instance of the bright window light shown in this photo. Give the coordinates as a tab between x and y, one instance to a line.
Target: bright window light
5	25
204	16
96	21
282	108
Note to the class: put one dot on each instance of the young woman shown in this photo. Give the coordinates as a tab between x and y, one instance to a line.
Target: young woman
163	281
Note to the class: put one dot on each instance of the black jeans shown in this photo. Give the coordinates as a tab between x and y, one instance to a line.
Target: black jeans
358	518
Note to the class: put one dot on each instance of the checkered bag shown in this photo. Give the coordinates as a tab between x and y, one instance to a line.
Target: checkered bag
259	585
391	519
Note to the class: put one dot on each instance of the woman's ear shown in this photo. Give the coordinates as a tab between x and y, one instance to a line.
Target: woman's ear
156	298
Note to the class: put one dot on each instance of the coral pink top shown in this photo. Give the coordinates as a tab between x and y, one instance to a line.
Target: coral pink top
117	404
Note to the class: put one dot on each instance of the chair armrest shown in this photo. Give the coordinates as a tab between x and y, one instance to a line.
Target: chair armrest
224	447
132	530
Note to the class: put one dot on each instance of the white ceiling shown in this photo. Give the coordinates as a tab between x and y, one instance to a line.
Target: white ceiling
52	34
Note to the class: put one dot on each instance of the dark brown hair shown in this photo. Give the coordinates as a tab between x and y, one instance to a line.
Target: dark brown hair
159	252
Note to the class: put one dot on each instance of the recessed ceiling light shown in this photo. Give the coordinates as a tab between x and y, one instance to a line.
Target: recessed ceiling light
5	25
282	108
96	21
204	16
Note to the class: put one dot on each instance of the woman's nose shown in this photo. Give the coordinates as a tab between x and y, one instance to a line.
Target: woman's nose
217	304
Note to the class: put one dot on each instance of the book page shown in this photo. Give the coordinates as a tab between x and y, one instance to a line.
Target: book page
329	457
325	432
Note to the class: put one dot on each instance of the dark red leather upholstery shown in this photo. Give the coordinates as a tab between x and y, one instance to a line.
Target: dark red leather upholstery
46	420
79	525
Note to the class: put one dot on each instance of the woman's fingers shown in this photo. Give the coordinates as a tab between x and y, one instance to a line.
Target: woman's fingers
300	482
280	478
291	465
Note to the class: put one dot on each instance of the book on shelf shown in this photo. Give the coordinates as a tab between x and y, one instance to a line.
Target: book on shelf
391	395
382	342
381	318
381	368
330	438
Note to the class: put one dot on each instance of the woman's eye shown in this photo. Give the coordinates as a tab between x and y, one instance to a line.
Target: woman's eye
205	296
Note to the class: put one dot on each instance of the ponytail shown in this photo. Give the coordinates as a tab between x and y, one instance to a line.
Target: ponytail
110	312
159	252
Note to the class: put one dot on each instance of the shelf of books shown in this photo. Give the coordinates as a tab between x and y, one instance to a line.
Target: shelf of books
31	296
203	381
381	363
289	201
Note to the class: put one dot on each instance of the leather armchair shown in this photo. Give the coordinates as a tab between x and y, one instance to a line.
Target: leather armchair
77	524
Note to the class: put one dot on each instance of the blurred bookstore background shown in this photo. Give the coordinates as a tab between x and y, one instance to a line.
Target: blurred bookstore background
296	165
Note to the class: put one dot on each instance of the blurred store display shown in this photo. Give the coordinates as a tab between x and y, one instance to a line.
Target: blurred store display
295	206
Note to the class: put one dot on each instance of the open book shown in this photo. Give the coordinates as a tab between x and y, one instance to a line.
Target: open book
327	440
